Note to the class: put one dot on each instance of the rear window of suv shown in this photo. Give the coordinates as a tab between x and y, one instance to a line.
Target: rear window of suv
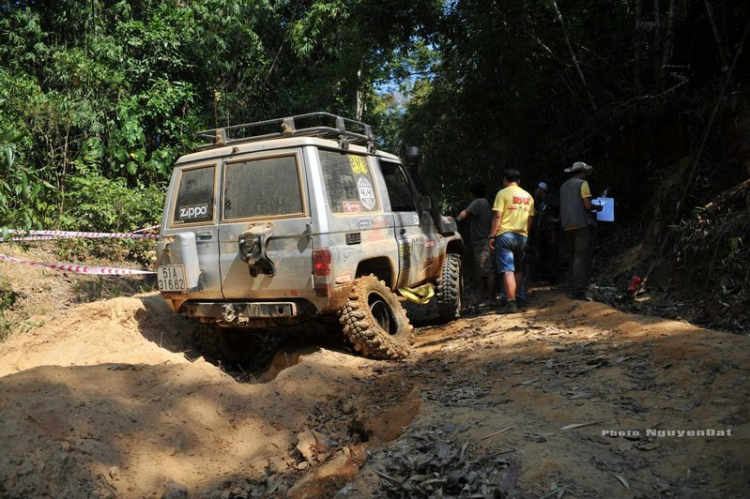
264	187
348	182
195	196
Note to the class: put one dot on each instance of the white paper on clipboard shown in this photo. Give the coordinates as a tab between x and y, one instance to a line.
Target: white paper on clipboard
608	211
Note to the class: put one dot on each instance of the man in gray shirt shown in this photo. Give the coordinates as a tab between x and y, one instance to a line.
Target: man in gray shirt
481	219
578	222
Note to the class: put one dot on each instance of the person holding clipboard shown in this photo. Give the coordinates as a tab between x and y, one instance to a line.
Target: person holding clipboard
578	220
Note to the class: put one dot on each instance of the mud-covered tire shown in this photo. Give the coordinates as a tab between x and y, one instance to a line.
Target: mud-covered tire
450	288
375	322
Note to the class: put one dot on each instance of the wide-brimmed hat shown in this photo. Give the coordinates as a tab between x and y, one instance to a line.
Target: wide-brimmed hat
579	166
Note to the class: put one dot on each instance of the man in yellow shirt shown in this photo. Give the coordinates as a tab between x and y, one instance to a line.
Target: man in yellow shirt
512	216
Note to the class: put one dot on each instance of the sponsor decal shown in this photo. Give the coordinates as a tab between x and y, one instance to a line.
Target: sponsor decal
363	223
429	244
191	212
366	193
404	249
351	206
378	235
358	164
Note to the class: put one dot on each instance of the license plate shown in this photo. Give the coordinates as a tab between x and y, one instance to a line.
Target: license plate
172	278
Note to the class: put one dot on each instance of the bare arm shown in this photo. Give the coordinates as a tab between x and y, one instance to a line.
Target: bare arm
497	216
591	206
462	215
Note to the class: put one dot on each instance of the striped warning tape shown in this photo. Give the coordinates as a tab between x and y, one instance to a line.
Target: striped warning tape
153	227
33	238
76	267
71	234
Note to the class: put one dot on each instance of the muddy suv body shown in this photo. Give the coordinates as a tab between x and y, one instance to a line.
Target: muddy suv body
285	222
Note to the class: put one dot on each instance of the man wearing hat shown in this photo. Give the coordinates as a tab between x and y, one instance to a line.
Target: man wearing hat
578	222
546	233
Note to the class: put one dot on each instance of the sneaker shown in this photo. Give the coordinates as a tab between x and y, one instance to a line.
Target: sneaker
508	308
520	302
487	304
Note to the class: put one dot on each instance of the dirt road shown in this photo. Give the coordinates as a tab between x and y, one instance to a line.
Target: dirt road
105	401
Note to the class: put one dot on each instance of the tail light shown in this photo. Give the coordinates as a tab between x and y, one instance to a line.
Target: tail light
322	271
321	262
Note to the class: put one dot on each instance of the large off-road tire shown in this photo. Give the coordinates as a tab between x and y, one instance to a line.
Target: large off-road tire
450	288
375	322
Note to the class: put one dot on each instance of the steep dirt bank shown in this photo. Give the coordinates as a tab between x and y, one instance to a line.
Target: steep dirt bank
103	402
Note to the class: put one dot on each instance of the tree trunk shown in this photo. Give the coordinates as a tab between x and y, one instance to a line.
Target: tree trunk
717	35
638	48
572	53
666	57
360	104
657	40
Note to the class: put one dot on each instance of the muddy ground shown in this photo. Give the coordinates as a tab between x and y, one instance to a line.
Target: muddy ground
565	399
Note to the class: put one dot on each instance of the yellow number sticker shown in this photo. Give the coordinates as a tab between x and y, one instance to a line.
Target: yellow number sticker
359	165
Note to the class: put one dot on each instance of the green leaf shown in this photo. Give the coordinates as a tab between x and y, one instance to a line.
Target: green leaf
132	167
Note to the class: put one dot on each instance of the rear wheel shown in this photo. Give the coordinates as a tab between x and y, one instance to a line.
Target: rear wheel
450	288
375	322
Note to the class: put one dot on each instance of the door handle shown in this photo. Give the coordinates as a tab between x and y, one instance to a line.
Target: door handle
204	236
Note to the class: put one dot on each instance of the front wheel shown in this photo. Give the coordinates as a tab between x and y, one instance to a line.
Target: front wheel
375	322
450	288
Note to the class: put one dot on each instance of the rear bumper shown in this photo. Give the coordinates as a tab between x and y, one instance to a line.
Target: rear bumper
242	311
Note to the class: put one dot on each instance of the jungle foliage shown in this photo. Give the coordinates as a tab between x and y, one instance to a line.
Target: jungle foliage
98	98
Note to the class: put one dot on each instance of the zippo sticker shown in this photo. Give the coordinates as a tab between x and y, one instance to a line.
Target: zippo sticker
366	193
190	212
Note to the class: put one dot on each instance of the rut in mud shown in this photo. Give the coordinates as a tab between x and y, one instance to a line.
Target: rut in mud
113	399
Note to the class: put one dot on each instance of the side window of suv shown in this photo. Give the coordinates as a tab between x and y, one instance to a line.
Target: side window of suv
399	189
348	182
195	196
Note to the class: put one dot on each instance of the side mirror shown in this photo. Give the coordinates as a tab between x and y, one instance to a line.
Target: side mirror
424	203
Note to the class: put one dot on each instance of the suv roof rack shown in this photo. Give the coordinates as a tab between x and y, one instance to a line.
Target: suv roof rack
318	124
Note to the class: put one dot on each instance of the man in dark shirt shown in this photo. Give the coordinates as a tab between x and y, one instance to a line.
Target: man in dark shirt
547	234
480	212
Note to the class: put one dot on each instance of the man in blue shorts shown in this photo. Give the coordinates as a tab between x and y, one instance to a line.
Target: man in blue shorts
512	216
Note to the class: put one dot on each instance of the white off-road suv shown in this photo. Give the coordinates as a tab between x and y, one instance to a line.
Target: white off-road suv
276	223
